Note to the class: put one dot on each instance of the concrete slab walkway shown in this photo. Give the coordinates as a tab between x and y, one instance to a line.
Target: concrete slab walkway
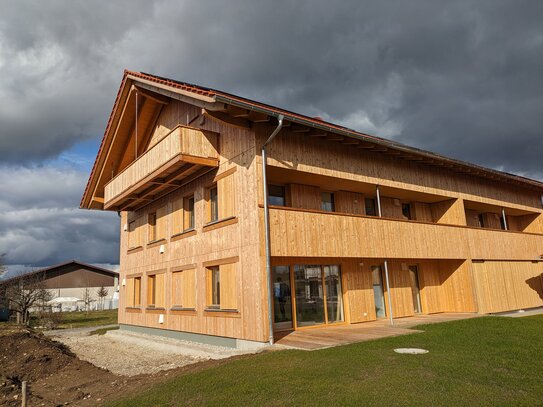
328	336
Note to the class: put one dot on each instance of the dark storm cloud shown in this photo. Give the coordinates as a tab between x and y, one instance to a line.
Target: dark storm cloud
460	78
40	222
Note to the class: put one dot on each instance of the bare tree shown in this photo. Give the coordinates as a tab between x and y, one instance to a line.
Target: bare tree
24	292
87	297
102	293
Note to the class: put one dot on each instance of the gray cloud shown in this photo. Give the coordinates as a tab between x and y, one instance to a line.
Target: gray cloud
40	222
460	78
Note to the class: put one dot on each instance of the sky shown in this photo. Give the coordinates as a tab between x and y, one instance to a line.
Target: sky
458	78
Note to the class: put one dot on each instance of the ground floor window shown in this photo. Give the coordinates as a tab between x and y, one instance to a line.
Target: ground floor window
313	293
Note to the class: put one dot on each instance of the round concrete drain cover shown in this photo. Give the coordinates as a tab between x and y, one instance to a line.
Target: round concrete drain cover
411	351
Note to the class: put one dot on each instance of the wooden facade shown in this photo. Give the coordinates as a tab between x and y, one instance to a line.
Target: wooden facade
183	168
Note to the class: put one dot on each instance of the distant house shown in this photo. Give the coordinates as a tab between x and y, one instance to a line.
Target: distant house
74	285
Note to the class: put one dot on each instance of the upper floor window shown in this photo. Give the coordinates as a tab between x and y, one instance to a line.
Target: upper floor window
406	210
327	201
213	204
188	213
481	219
276	195
371	206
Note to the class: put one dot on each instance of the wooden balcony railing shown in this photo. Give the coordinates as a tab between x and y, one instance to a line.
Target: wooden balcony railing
303	233
182	155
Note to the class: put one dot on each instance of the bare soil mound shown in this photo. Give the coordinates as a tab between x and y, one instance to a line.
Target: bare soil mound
54	375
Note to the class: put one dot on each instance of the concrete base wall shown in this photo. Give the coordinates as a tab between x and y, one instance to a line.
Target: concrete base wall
197	338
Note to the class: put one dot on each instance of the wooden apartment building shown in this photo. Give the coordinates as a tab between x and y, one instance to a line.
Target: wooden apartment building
360	227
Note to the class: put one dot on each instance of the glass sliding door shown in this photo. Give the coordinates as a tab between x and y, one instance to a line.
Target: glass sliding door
319	295
378	292
334	294
415	290
309	295
282	300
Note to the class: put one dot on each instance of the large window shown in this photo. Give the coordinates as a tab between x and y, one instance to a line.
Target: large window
319	297
327	202
276	195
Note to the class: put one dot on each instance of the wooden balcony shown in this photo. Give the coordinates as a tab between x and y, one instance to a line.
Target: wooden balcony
181	156
304	233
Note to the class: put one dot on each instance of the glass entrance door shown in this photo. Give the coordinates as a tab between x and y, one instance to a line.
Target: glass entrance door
309	295
415	290
282	300
378	292
319	295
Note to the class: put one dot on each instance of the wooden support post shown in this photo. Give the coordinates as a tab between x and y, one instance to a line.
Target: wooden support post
23	395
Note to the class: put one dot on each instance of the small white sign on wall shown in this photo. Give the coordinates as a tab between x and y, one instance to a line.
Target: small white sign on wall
161	319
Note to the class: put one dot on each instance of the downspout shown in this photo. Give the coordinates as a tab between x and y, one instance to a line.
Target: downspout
378	193
504	220
267	224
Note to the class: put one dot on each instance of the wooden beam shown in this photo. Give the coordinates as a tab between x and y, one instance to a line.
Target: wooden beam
334	137
163	100
300	129
227	119
350	142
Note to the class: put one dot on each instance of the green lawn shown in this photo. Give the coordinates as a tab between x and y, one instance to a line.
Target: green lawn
492	361
91	318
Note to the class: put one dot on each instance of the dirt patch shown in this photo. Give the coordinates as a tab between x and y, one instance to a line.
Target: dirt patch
57	377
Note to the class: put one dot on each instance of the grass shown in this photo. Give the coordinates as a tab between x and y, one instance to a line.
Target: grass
82	319
103	331
489	361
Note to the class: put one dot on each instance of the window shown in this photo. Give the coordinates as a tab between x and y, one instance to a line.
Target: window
371	207
222	287
327	201
406	210
213	204
184	289
276	195
151	221
481	220
137	291
133	292
188	213
215	282
155	290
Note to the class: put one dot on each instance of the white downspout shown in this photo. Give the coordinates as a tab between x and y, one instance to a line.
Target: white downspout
267	225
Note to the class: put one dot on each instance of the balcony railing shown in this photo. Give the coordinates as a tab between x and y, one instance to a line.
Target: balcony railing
182	155
303	233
